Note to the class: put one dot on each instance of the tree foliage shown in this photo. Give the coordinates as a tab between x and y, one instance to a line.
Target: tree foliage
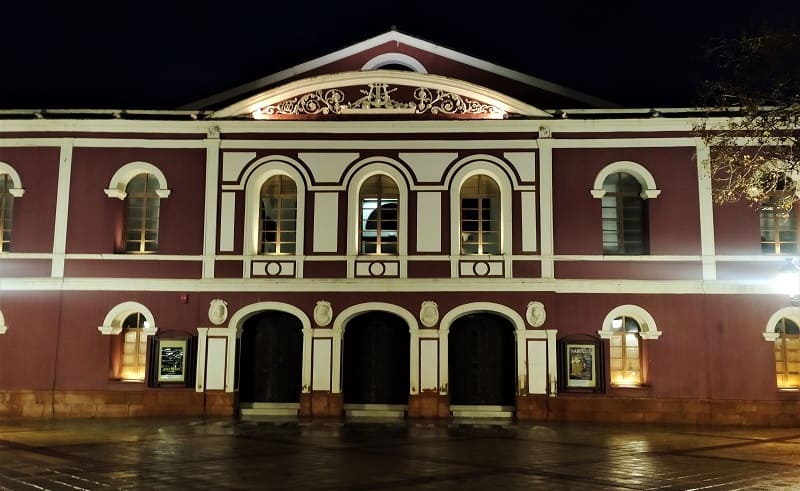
753	118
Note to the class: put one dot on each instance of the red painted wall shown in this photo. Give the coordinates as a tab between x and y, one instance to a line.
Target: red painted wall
95	220
737	229
33	222
674	216
712	345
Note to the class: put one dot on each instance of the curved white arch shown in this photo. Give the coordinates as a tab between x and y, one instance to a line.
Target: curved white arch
112	324
638	171
482	307
395	59
17	191
3	326
120	179
237	319
257	173
507	313
649	330
354	310
255	103
363	170
457	177
791	313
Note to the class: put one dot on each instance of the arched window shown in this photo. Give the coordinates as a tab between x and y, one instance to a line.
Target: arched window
787	354
142	204
129	356
625	354
480	216
378	205
277	216
6	208
624	214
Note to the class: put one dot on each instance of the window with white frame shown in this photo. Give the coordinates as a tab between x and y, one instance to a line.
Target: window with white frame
142	205
787	354
6	209
480	216
625	328
132	348
624	214
378	200
625	355
277	217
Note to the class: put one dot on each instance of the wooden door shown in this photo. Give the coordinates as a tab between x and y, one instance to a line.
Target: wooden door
376	360
482	361
271	358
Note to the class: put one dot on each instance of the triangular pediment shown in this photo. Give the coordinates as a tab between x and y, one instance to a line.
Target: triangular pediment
394	49
380	93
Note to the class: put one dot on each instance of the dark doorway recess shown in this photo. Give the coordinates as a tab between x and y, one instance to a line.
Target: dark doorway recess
271	358
376	360
482	361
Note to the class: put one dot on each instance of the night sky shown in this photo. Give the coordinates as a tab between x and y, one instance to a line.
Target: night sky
134	55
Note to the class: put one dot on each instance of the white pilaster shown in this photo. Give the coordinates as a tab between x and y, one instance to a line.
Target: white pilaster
546	206
212	188
707	245
62	208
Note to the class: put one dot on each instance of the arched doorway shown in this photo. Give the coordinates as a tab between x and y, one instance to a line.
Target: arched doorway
271	358
375	365
482	360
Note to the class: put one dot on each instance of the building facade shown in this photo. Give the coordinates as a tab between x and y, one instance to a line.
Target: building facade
394	229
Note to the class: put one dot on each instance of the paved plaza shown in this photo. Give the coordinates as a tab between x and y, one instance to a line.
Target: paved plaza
196	453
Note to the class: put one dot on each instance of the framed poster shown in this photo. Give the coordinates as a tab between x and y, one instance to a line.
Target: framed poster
172	360
581	364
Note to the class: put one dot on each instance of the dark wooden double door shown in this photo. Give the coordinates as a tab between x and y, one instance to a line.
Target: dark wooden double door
375	365
482	361
271	360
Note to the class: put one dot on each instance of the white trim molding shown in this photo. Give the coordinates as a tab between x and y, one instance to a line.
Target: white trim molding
402	59
465	169
3	326
791	313
638	171
647	325
349	313
236	323
17	191
112	324
255	106
520	335
366	169
121	178
256	174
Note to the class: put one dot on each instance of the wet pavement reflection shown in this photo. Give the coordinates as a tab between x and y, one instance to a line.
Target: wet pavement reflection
371	454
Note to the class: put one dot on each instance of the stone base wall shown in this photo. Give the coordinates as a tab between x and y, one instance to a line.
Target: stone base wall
113	403
566	408
321	404
428	405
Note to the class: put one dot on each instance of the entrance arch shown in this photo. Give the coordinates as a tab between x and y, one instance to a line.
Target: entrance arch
271	363
375	359
482	361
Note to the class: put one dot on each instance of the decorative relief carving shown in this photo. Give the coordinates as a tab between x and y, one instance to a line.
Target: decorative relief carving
323	313
377	97
429	313
218	311
535	314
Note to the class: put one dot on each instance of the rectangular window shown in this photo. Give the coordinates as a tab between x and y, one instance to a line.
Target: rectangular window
778	231
6	202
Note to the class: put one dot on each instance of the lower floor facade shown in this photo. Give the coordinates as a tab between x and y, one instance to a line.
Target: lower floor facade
348	352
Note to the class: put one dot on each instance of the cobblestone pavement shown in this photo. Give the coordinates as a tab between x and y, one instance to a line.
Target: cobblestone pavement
229	454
